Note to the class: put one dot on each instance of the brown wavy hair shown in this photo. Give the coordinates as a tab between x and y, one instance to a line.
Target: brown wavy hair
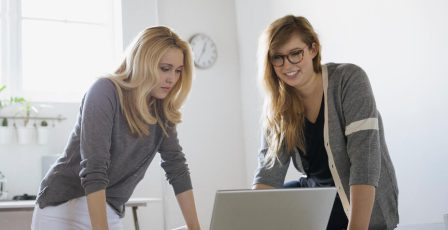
283	117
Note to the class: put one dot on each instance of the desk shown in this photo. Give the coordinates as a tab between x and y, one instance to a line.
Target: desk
28	205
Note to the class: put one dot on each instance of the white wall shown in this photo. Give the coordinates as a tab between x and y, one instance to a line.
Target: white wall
136	16
402	46
211	132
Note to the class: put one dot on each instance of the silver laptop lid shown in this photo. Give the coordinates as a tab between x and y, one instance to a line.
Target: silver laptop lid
301	208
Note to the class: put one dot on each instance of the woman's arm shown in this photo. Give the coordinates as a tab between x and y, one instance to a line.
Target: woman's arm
186	204
261	186
363	143
270	176
178	175
96	125
96	202
362	198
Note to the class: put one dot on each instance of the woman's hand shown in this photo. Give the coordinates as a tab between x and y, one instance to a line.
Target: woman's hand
262	186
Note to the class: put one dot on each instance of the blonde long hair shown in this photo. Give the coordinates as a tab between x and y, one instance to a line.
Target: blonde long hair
283	117
138	75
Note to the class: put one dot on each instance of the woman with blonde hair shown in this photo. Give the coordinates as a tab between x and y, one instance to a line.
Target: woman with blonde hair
124	119
325	119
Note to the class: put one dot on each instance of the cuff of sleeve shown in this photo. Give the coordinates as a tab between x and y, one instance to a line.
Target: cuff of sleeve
360	181
182	184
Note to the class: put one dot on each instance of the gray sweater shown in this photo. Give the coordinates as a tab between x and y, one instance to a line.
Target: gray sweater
102	154
355	145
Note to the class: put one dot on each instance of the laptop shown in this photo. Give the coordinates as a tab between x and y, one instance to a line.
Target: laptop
297	208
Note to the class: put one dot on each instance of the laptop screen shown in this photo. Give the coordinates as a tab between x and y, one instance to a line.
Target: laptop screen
298	208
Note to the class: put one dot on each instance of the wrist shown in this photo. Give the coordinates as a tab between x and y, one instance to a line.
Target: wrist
195	226
352	225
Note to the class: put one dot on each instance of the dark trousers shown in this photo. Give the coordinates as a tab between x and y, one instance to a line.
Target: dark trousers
338	220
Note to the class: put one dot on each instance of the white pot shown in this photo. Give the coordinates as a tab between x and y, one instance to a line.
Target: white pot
42	135
6	135
26	135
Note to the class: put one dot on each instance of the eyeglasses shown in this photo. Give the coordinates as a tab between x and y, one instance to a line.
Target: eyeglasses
294	56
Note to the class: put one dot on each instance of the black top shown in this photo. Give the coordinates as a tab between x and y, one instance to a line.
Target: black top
315	159
315	164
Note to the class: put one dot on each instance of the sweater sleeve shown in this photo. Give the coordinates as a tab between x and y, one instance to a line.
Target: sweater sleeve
174	162
361	126
97	116
275	175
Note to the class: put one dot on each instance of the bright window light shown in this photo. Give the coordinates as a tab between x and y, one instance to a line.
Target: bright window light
64	46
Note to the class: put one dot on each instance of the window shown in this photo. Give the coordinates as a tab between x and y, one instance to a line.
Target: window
2	26
59	47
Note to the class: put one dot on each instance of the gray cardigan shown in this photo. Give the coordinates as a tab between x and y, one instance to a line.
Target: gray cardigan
102	154
354	141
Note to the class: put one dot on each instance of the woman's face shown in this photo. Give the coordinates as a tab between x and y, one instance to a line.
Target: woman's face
293	62
170	70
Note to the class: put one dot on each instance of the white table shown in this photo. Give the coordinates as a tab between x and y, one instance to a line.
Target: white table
28	205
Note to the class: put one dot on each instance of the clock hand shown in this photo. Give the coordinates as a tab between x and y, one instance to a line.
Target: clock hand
202	51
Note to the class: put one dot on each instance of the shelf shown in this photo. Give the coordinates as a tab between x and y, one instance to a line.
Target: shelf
57	118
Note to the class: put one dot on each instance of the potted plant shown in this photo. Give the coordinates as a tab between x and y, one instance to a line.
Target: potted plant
5	132
42	132
26	132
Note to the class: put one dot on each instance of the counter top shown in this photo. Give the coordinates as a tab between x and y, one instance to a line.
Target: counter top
28	205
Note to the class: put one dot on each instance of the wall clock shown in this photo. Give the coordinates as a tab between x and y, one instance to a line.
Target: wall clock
204	50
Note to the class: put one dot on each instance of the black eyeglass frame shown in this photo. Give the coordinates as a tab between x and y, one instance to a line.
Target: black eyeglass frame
288	56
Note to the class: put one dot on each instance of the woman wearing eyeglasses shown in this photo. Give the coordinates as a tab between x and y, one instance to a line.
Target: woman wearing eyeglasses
325	119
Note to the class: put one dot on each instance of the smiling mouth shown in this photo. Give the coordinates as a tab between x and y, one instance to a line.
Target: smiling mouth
291	74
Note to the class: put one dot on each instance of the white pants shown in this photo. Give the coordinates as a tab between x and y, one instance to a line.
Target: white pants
71	215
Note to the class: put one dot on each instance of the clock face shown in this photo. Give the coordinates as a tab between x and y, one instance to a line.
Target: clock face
204	51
